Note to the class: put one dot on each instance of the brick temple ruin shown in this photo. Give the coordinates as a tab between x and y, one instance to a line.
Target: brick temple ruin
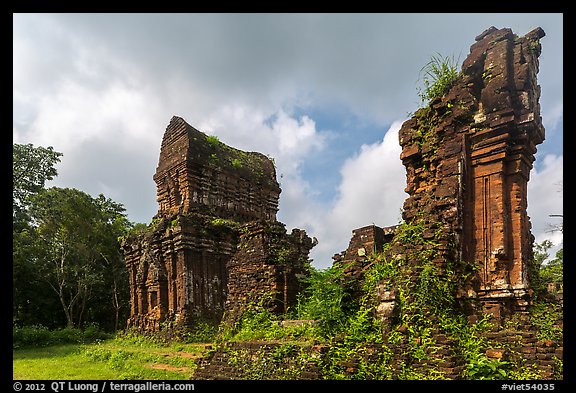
468	157
215	244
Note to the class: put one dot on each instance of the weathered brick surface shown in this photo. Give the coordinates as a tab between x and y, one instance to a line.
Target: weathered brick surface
261	360
365	242
266	269
523	346
178	271
211	199
468	157
198	173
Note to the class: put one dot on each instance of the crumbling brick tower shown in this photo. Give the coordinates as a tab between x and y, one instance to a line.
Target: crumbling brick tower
198	173
468	157
500	158
210	197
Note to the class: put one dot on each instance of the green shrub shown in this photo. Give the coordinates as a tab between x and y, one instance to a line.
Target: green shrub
93	333
480	367
98	354
325	300
202	331
130	337
36	335
40	336
213	140
258	324
66	336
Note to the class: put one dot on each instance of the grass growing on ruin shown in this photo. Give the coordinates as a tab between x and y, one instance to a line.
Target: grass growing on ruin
438	75
123	357
426	304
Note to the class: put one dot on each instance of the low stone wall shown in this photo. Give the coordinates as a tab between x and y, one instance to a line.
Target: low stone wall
541	357
261	360
275	360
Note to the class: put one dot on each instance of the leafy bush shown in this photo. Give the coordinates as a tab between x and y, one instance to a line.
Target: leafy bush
66	336
202	332
258	323
36	335
40	336
324	300
130	337
213	140
481	367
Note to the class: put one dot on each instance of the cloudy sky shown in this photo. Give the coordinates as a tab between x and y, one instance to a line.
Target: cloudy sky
324	94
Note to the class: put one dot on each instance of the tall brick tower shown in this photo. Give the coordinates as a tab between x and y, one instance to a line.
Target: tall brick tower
192	261
468	157
500	154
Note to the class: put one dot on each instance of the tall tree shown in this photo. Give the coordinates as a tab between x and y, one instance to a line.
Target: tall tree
77	252
31	168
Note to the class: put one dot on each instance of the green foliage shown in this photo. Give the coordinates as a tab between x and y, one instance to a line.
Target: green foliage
480	367
438	76
54	227
202	331
540	254
543	271
257	324
213	140
546	315
282	362
138	228
471	345
223	222
236	163
249	163
131	337
426	306
31	168
325	299
40	336
71	253
348	324
553	270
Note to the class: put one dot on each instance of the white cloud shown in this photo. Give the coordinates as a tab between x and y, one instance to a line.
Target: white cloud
554	114
103	87
75	113
285	138
545	197
109	136
372	187
371	192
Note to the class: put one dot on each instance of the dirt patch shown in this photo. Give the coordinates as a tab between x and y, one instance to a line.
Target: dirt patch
169	367
187	355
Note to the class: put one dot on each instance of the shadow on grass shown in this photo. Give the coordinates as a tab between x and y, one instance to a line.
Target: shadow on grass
45	352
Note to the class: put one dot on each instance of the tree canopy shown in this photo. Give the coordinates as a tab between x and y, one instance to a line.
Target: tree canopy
68	268
31	168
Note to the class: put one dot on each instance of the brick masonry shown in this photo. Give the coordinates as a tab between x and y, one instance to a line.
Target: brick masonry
468	157
216	225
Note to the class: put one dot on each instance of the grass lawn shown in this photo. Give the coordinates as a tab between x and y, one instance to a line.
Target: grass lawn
110	359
